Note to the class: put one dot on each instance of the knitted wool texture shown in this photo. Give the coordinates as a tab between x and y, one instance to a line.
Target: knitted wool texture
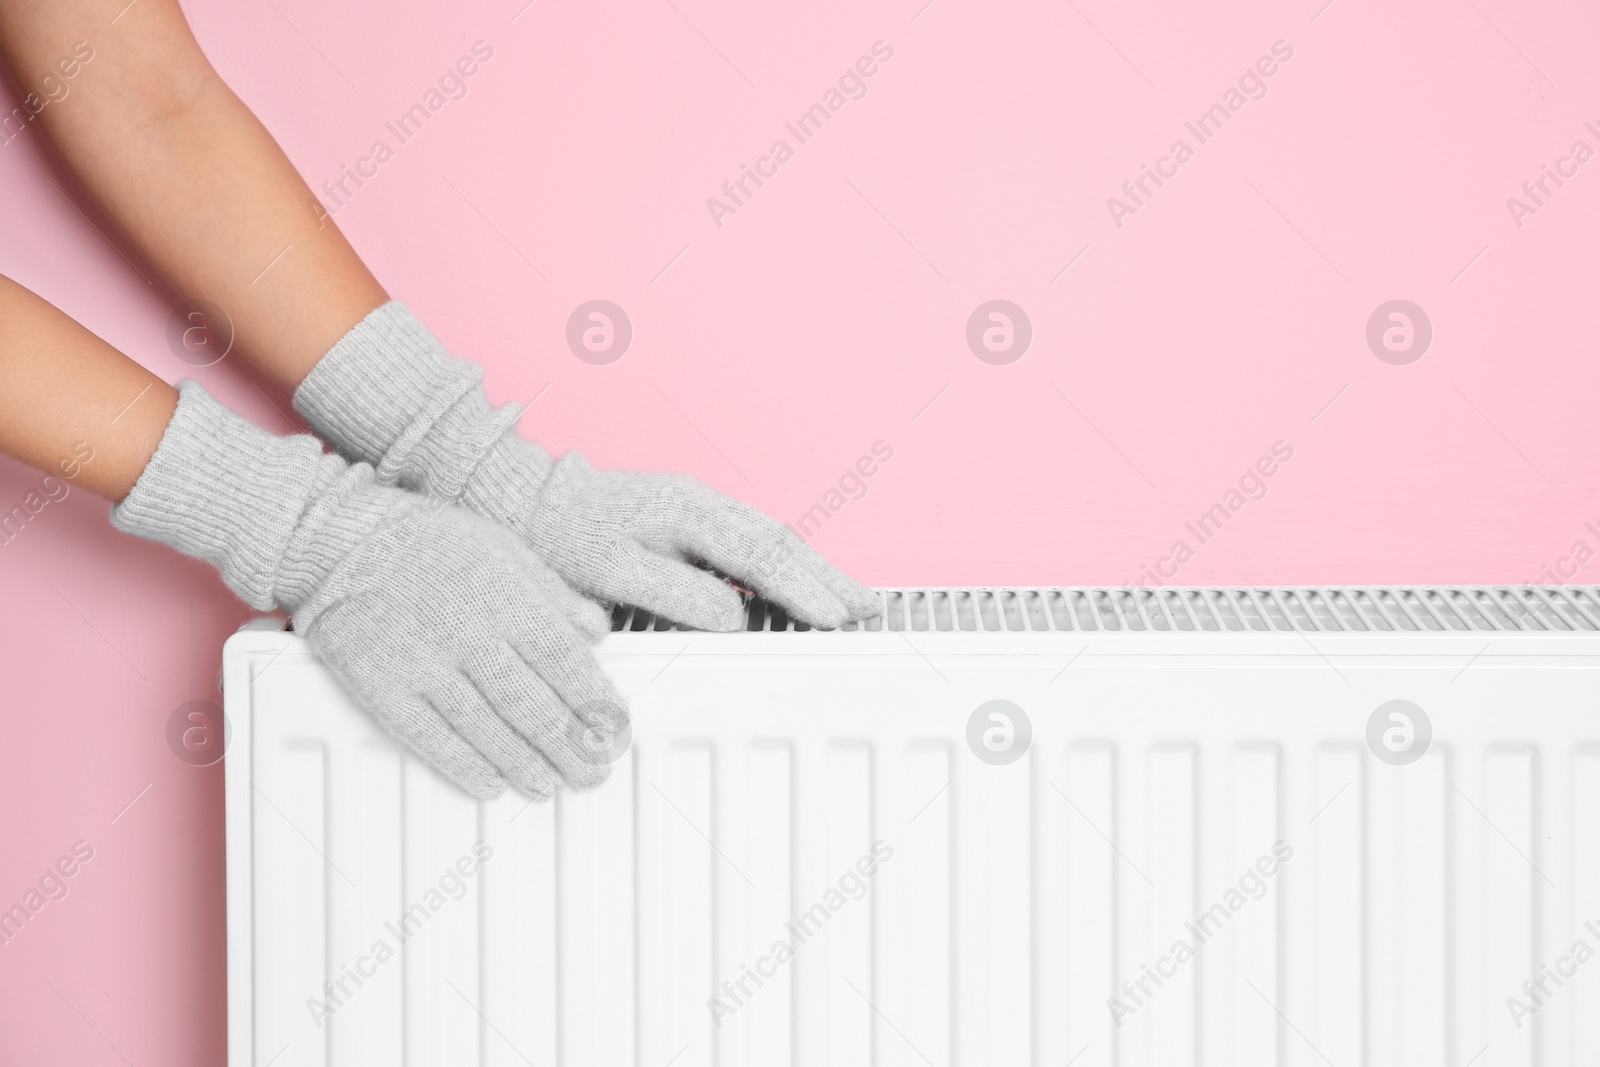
451	633
389	393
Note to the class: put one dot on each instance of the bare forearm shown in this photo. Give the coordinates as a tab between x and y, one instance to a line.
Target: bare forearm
70	404
190	175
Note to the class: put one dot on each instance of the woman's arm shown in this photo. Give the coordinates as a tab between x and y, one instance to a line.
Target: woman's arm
186	171
70	404
177	162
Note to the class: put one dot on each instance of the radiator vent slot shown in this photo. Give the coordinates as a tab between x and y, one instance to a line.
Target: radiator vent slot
1339	609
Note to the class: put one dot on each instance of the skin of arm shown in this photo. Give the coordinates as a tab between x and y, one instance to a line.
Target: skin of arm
70	404
175	159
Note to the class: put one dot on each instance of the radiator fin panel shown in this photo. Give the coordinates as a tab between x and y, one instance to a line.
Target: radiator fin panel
937	904
1238	608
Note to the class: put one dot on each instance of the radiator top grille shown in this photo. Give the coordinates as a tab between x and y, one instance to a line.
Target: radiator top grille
1348	609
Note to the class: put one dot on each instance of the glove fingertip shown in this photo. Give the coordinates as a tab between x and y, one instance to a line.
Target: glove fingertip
593	776
864	605
476	775
835	616
589	618
538	788
859	601
484	787
726	618
719	611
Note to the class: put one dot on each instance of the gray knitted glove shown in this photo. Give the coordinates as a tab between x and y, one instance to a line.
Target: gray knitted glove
454	636
388	393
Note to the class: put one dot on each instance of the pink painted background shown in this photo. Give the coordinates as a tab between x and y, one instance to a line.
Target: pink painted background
828	313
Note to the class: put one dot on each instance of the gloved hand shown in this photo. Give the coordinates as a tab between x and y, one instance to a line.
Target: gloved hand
388	393
457	638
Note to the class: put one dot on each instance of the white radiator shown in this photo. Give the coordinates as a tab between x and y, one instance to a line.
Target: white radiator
1176	845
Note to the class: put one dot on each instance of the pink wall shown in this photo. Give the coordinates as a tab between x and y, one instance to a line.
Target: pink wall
1225	314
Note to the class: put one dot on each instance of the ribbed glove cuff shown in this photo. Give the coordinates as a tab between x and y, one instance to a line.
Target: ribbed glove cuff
270	513
388	393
